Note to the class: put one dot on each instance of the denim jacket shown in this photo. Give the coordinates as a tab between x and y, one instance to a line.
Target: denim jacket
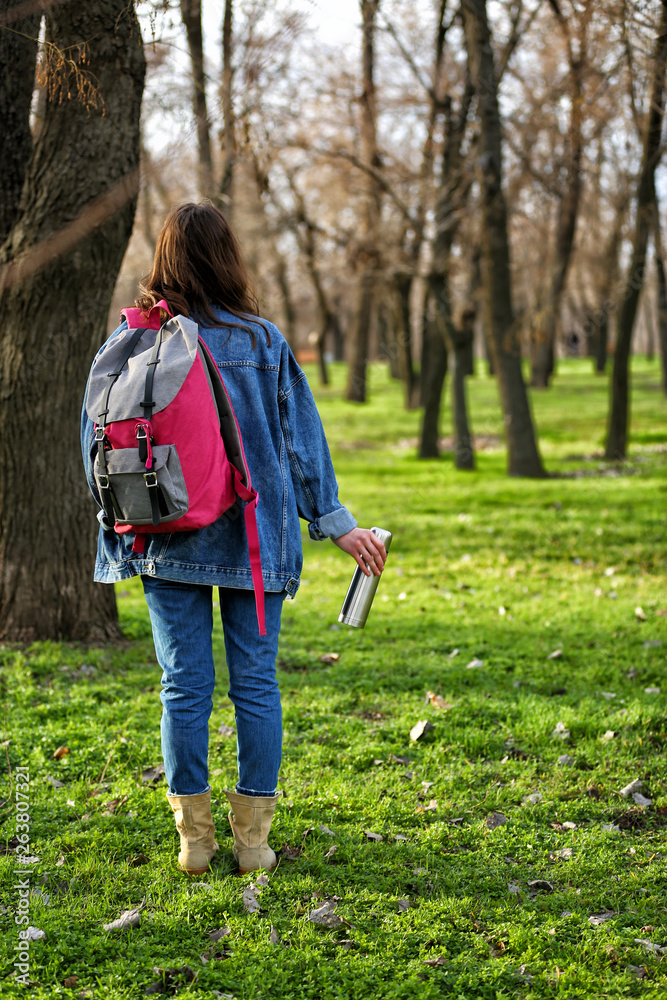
289	463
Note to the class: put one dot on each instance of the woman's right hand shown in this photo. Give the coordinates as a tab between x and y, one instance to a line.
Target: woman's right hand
365	548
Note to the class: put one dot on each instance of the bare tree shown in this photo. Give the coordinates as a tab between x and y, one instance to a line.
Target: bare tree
191	15
617	433
368	252
662	293
229	125
57	272
573	27
523	455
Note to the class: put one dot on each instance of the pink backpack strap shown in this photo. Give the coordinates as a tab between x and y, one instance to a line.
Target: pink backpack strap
250	495
151	321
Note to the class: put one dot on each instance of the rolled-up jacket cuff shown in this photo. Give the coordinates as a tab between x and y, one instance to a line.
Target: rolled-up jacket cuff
332	525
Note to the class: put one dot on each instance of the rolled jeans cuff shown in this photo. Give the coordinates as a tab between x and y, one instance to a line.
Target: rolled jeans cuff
332	525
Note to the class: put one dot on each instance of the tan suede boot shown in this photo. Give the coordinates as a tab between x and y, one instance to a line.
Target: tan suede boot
250	819
195	826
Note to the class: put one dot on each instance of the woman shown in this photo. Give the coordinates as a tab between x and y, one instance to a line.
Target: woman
199	271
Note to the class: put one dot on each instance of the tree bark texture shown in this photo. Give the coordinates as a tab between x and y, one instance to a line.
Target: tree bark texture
57	274
191	16
523	455
370	212
619	410
403	285
597	326
229	133
18	58
451	197
544	345
461	343
433	381
661	276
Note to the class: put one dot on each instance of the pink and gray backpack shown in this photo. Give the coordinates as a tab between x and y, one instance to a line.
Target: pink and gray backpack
169	450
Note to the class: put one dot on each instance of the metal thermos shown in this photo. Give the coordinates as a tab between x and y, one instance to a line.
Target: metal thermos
361	592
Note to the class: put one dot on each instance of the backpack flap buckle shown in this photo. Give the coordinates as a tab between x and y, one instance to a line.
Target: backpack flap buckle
150	478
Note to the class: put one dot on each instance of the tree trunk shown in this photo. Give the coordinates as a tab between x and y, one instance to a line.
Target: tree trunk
617	435
403	285
228	138
662	294
370	213
57	274
356	380
337	337
597	331
434	380
289	312
464	455
388	347
544	352
523	455
650	331
191	15
18	57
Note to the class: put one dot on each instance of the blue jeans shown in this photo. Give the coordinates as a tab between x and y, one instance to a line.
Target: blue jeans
182	620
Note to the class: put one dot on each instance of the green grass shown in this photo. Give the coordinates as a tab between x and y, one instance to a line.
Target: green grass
568	560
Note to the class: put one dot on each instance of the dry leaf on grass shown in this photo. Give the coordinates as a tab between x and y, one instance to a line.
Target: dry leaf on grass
645	943
273	936
561	731
220	933
171	980
641	800
35	934
640	971
330	658
533	799
226	731
332	850
597	919
634	786
420	729
373	836
60	752
474	663
434	962
563	855
70	982
325	829
640	614
290	853
403	905
566	760
54	781
153	774
324	915
557	653
127	919
540	885
496	819
437	700
250	901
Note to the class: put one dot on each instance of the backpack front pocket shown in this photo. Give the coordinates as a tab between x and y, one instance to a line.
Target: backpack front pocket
130	484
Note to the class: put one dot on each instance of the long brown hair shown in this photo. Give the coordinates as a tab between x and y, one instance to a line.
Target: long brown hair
198	264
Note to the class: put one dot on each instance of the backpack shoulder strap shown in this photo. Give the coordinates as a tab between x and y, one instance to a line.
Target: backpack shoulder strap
231	436
229	428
